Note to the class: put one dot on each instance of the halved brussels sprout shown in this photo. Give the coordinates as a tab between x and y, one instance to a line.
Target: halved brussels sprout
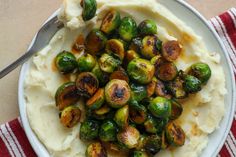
115	47
141	142
102	77
138	113
160	89
149	49
147	27
138	153
86	63
70	116
110	22
108	131
89	9
164	142
175	134
139	92
201	71
121	116
129	136
176	88
89	130
96	101
95	41
66	62
108	63
176	109
192	84
128	29
171	50
151	88
167	71
67	94
153	144
130	55
154	125
140	70
96	149
117	93
160	107
87	84
136	44
103	110
119	74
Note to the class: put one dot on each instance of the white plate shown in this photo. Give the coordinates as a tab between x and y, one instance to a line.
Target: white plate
196	21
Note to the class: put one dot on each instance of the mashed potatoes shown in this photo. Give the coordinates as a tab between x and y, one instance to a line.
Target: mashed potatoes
202	112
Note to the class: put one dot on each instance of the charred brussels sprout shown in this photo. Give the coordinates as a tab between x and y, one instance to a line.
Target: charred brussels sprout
130	55
108	63
89	9
67	94
171	50
139	92
138	113
108	131
160	107
129	137
95	41
149	49
147	27
160	89
153	144
192	84
89	130
87	84
201	71
102	77
119	74
121	116
138	153
176	88
176	109
117	93
154	125
86	63
110	22
174	134
103	110
115	47
96	149
128	29
136	44
96	101
140	70
167	71
151	87
70	116
66	62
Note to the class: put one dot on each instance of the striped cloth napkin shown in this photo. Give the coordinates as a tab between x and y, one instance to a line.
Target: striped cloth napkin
14	143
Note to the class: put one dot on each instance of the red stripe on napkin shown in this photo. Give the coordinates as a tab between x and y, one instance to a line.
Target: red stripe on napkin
14	143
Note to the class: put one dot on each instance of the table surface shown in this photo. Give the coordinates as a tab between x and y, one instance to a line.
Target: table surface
20	21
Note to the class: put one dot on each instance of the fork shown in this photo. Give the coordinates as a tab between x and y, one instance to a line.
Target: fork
42	38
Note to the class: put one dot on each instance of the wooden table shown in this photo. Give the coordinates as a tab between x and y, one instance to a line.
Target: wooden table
20	20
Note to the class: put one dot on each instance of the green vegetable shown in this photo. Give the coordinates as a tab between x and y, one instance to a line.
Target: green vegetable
138	113
96	149
96	101
130	55
136	44
176	88
153	144
174	134
89	9
115	47
108	63
149	49
154	125
70	116
108	131
176	109
151	87
89	130
121	116
102	77
110	22
138	153
160	89
139	92
192	84
141	142
166	71
160	107
86	63
171	50
120	74
66	62
147	27
128	29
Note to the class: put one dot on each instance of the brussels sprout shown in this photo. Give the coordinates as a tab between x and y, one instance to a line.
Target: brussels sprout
107	63
96	150
167	72
117	93
95	41
139	92
129	136
171	50
108	131
119	74
89	9
138	153
141	142
138	113
66	62
140	70
121	116
164	142
192	84
70	116
176	88
159	45
128	29
67	94
174	134
153	144
149	49
130	55
110	22
160	89
115	47
89	130
117	147
147	27
102	77
154	125
151	87
201	71
86	63
136	44
87	84
96	101
103	110
160	107
176	109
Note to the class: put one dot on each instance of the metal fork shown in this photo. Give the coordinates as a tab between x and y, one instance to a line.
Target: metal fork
42	38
